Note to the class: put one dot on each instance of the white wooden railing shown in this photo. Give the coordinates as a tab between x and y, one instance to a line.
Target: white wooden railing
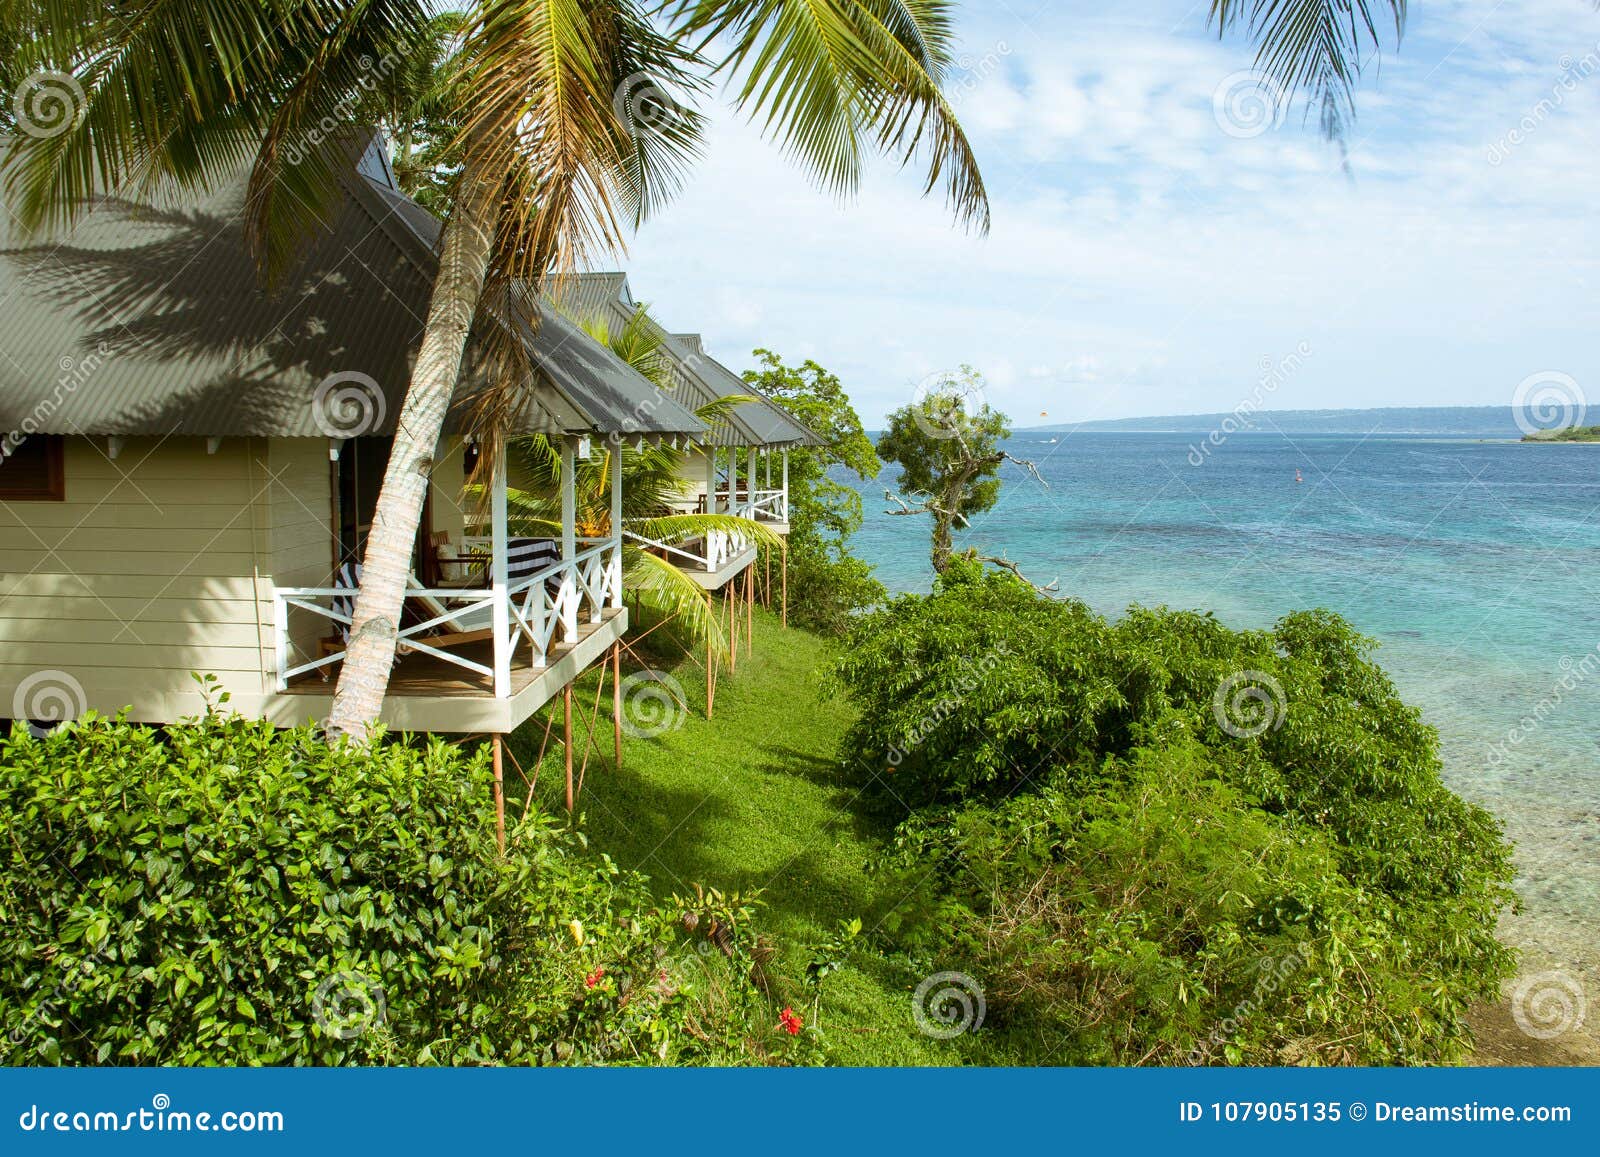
437	617
528	610
592	578
763	505
770	505
709	553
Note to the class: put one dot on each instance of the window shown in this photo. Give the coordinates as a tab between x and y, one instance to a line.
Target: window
31	470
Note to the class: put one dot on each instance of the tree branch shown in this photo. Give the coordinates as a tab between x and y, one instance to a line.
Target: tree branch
1005	563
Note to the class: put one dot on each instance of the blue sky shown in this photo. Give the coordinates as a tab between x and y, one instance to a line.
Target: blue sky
1147	260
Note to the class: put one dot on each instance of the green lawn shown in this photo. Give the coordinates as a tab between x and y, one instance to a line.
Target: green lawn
755	800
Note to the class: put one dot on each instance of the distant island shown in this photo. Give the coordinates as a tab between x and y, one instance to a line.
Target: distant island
1498	422
1570	434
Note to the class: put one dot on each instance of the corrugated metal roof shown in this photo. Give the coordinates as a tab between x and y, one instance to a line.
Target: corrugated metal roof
583	372
785	427
152	321
695	377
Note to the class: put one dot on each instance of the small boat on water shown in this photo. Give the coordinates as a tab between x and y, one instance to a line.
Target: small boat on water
1297	477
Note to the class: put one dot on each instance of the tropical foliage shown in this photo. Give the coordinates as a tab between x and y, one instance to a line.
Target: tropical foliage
418	113
1316	48
827	584
226	893
1160	839
947	444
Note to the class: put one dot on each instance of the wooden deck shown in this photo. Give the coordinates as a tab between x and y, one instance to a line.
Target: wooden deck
715	580
429	694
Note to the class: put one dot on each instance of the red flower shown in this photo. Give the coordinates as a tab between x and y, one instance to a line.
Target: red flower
594	978
790	1022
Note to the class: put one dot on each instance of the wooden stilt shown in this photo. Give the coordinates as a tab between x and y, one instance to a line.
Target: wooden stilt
549	725
616	700
591	722
711	664
499	793
566	711
750	611
785	565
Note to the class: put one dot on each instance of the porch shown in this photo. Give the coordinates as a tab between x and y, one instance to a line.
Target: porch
426	693
484	648
728	490
770	507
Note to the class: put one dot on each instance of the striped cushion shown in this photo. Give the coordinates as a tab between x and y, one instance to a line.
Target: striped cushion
349	579
526	557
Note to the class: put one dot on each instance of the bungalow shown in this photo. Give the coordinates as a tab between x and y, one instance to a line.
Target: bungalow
191	465
758	430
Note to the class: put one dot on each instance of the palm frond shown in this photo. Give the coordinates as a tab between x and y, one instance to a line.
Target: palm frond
830	79
669	592
1315	48
675	528
640	343
174	96
339	82
541	113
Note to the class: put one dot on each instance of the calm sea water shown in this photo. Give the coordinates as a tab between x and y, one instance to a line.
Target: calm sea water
1475	564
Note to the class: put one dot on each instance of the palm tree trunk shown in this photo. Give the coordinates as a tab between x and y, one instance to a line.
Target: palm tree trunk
386	561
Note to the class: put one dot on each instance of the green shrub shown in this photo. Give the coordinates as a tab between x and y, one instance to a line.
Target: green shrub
1123	823
224	893
828	586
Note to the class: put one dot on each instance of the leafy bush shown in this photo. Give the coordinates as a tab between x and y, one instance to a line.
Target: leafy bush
1126	822
224	893
828	586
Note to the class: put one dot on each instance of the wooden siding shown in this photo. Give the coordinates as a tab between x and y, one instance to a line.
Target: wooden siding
301	547
147	571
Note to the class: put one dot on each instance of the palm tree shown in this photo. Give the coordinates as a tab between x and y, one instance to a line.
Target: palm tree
553	166
417	110
569	130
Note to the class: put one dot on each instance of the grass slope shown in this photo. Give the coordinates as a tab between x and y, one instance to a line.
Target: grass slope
755	800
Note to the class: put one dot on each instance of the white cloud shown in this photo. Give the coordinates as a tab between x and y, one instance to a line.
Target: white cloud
1142	258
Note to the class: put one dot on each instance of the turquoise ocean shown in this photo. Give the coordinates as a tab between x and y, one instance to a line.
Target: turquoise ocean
1475	565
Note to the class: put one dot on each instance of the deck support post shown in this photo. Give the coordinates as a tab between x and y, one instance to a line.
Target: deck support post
569	538
498	744
784	562
616	534
750	610
566	739
786	484
280	641
616	699
500	610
